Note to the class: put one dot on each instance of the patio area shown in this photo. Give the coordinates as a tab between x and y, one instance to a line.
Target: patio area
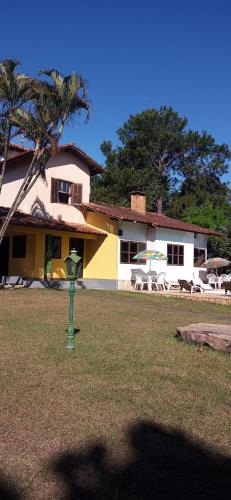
203	286
216	296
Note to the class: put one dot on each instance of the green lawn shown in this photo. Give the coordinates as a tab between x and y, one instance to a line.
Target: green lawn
131	413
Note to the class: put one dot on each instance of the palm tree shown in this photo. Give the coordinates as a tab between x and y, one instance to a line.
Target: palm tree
54	105
2	140
15	90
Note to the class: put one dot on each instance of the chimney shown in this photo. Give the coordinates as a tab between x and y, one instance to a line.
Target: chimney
138	201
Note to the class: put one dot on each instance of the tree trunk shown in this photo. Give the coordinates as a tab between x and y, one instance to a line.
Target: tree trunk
22	192
160	205
31	177
6	149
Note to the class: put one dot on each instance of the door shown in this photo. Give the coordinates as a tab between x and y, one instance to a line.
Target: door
47	263
4	256
78	245
52	251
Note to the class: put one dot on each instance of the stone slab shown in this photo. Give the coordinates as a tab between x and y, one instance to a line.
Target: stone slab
215	336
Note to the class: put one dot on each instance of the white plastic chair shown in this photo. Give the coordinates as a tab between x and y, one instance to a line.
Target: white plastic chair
224	277
204	286
169	284
188	286
212	280
140	281
159	281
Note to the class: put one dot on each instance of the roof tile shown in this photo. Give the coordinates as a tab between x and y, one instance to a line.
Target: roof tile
93	166
154	219
22	219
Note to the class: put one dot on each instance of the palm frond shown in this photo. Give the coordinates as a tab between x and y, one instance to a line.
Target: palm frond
8	66
16	89
69	93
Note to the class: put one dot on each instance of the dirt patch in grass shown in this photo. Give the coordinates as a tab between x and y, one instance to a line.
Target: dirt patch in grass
130	413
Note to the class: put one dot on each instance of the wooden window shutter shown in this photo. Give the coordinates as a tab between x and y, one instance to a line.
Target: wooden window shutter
54	190
76	195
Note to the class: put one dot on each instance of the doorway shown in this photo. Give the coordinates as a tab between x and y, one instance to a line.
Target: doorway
78	245
52	251
4	256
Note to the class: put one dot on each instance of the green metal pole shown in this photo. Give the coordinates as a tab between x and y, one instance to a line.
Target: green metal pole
70	326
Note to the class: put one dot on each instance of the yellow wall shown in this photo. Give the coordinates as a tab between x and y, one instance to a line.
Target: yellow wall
22	267
100	253
32	266
101	260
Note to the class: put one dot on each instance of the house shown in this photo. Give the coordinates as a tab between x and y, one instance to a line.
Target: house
57	215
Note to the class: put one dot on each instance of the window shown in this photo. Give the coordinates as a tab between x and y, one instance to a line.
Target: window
199	256
66	192
19	247
53	247
128	250
175	254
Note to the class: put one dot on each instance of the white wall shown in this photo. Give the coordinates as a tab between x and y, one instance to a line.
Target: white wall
62	166
134	232
158	239
168	236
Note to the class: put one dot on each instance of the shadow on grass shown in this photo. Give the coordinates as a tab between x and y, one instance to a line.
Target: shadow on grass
163	464
8	491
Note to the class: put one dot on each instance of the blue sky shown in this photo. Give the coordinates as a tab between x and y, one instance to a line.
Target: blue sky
134	55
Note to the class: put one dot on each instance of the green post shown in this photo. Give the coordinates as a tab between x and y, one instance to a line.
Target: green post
70	326
73	265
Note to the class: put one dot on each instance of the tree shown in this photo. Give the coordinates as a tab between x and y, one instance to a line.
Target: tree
150	145
205	200
196	189
156	153
55	102
207	215
220	247
121	177
16	89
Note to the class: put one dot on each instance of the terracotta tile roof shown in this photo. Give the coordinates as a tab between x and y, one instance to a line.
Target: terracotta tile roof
22	219
15	151
94	167
151	218
19	148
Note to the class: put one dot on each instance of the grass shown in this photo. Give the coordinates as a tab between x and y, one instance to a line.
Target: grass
130	413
